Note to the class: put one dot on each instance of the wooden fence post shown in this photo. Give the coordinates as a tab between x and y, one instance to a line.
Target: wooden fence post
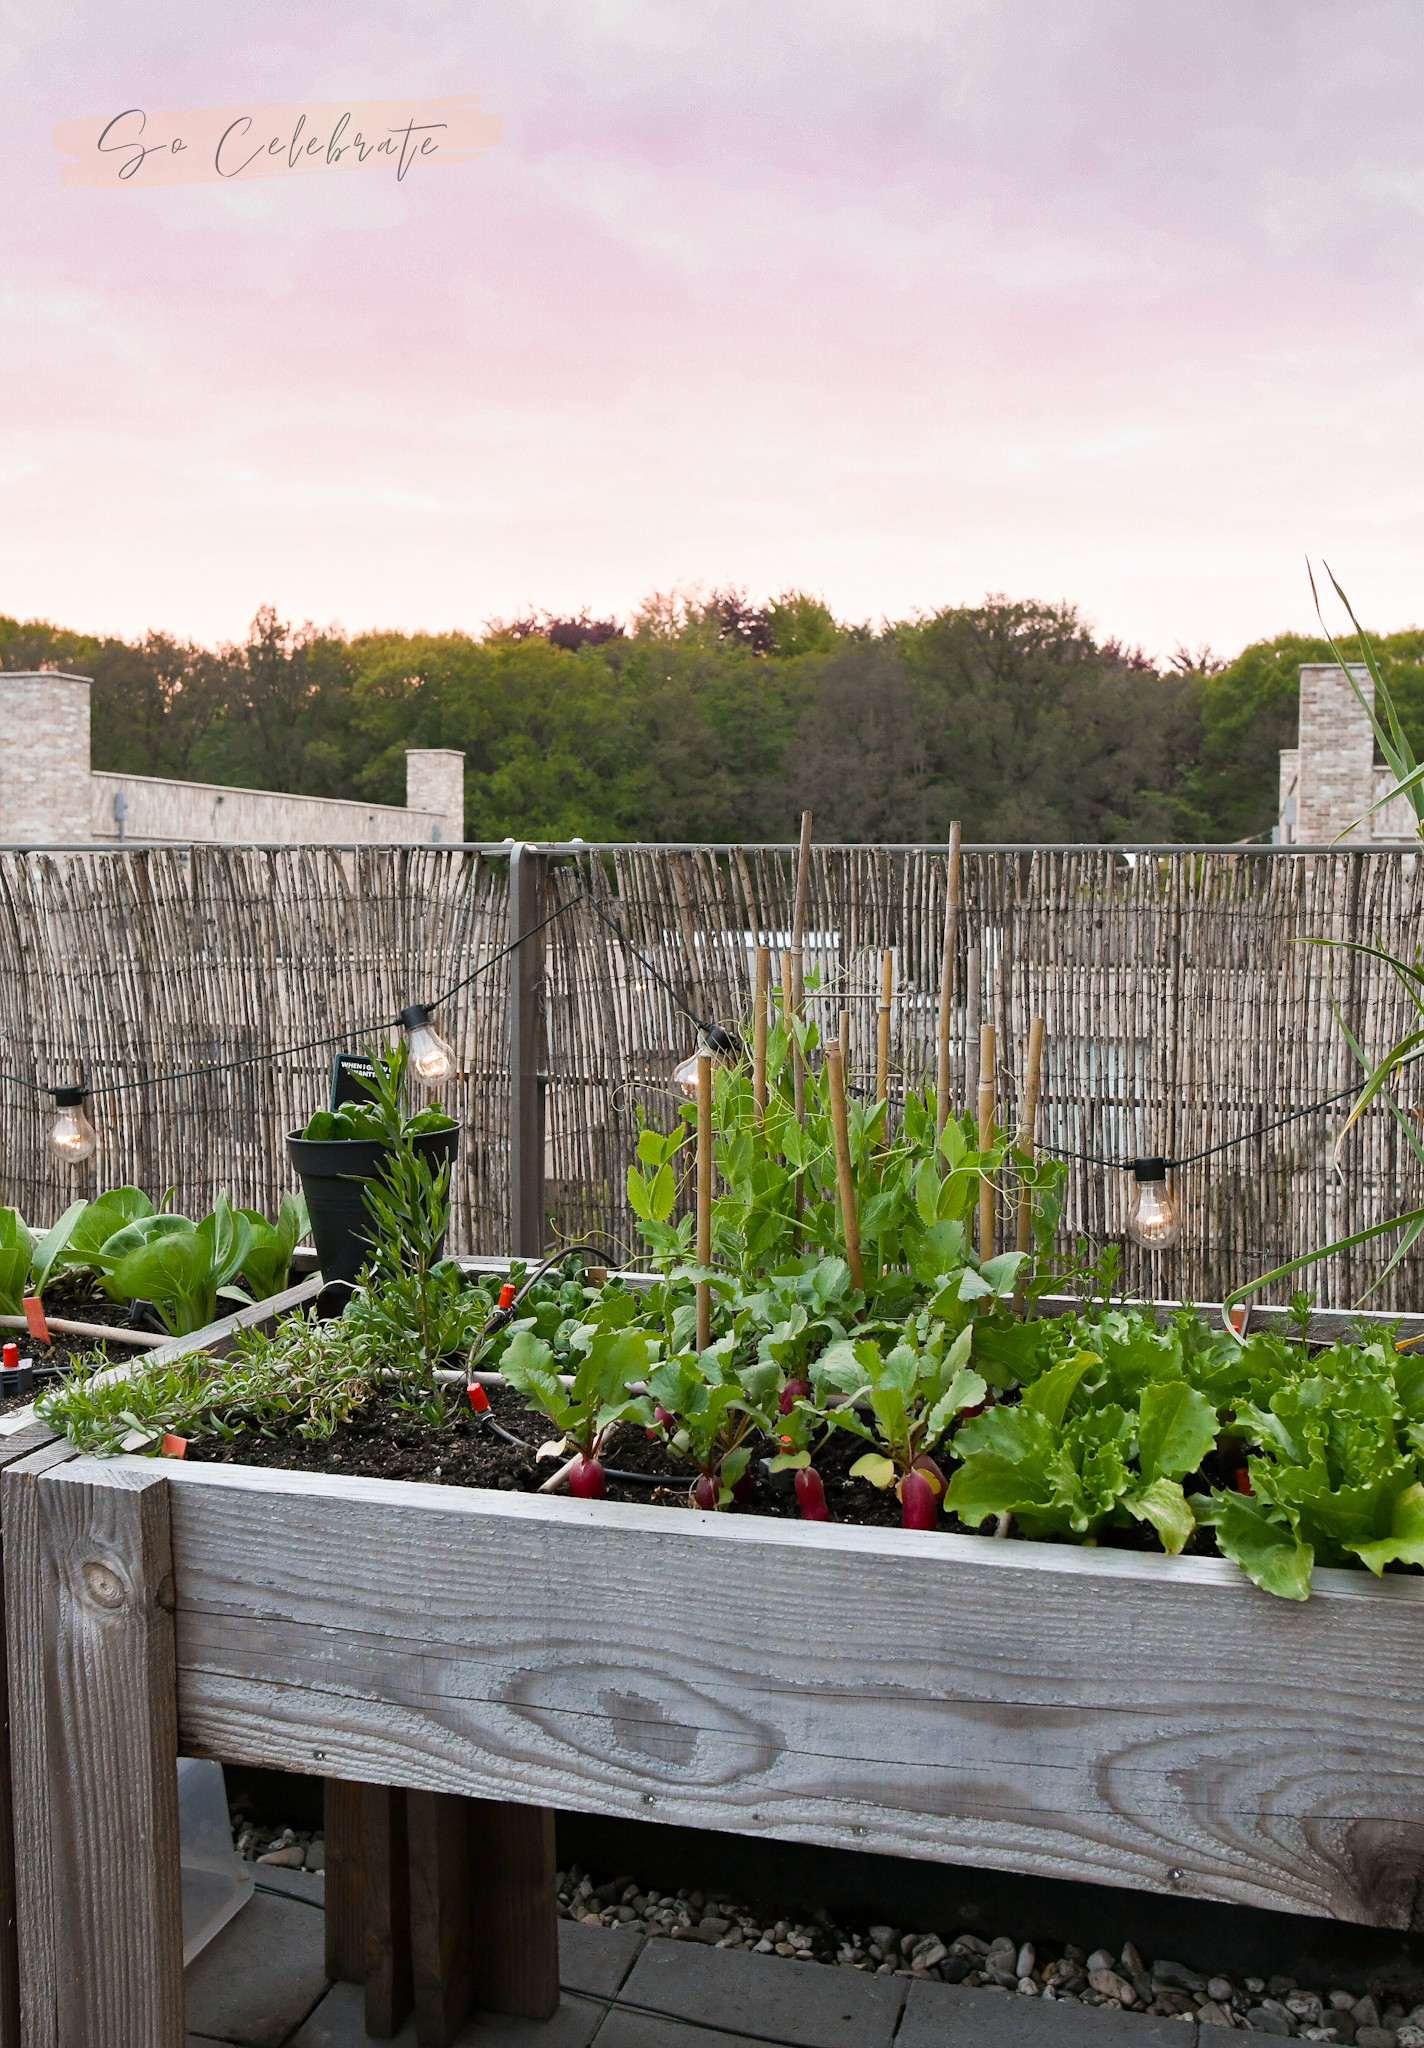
94	1719
527	1053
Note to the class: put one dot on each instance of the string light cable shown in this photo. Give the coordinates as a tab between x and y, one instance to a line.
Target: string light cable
74	1139
1154	1220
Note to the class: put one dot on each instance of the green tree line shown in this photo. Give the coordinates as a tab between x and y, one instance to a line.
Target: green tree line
712	718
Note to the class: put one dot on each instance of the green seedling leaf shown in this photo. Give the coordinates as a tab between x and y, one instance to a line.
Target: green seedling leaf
879	1471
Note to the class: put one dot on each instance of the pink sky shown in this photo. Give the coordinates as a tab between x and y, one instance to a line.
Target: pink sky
1114	303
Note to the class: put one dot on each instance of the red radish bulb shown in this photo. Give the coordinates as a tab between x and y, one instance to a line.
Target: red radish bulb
704	1491
926	1464
792	1392
811	1495
667	1421
586	1479
744	1488
918	1501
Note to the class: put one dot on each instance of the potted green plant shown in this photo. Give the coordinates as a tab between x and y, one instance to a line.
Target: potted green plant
342	1152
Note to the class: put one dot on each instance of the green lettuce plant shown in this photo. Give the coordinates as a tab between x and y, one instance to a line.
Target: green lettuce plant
1084	1447
27	1261
183	1267
1334	1476
268	1264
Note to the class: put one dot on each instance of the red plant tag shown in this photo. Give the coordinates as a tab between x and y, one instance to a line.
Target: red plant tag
173	1447
1243	1480
35	1319
507	1294
479	1399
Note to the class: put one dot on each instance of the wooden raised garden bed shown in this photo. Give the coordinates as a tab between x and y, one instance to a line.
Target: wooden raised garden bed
1110	1715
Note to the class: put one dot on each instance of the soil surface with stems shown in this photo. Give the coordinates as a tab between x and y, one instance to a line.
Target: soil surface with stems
389	1440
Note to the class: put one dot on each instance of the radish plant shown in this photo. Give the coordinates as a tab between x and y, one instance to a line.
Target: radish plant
705	1413
904	1405
606	1353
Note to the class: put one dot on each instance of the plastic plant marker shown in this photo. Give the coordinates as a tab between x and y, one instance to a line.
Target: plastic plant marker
35	1319
173	1447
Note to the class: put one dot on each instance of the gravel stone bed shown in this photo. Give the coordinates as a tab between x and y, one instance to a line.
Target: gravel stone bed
1124	1982
279	1848
1062	1975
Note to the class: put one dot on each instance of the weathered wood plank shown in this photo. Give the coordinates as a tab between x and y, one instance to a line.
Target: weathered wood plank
514	1908
89	1619
385	1909
345	1926
22	1443
1100	1714
442	1933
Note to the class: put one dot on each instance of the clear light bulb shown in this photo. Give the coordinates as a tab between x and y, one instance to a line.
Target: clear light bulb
714	1041
72	1138
1153	1221
431	1059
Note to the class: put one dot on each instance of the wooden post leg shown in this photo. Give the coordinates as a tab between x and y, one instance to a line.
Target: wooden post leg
385	1907
34	1436
345	1926
515	1909
94	1734
441	1925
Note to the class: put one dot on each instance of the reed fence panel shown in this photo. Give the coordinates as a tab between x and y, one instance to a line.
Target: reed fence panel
1185	1008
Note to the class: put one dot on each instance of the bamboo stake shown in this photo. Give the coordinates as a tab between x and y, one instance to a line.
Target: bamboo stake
882	1046
973	1013
798	972
1027	1125
986	1138
704	1197
845	1042
946	981
845	1180
759	1003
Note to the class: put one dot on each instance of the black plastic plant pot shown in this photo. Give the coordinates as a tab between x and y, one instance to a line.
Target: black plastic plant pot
334	1173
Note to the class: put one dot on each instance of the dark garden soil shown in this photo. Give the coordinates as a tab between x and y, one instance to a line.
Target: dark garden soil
72	1303
386	1441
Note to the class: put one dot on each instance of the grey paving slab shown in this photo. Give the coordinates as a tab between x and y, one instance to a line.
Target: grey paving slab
641	2030
949	2016
339	2022
804	2005
595	1959
259	1976
295	1884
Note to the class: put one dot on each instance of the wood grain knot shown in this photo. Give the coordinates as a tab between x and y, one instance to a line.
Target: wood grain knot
103	1585
645	1723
